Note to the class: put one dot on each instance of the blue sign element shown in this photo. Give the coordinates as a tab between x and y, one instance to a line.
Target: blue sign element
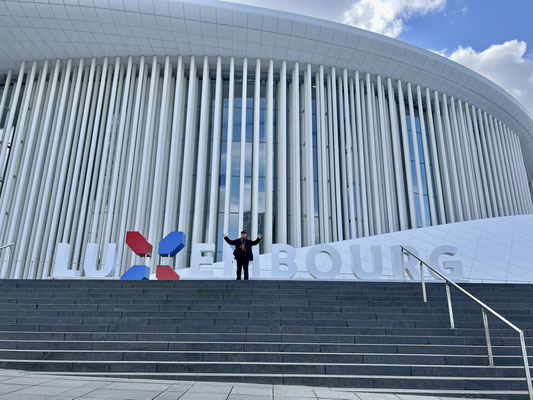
136	273
171	244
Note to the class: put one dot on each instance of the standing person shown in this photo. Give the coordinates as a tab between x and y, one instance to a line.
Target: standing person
243	252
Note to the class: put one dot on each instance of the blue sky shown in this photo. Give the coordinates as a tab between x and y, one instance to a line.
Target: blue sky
492	37
479	25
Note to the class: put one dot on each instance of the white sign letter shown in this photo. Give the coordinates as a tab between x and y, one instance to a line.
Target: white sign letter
197	260
454	266
333	255
377	263
108	264
61	269
291	270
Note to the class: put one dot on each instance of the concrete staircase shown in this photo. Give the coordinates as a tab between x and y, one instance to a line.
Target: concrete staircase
366	335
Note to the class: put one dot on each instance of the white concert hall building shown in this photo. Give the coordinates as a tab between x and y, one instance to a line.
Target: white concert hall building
209	117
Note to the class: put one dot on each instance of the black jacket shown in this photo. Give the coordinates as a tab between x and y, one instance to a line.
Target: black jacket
240	255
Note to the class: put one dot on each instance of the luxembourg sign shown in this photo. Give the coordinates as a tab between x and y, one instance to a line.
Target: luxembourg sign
323	261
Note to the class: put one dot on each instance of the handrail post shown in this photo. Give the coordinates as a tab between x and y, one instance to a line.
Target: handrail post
423	282
526	364
487	337
403	262
450	309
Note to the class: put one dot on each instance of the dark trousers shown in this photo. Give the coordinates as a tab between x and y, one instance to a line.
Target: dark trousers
240	266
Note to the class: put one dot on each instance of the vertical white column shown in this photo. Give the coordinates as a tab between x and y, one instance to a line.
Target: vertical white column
425	152
57	203
389	122
443	161
269	160
3	99
397	158
361	155
508	170
368	168
107	160
407	158
386	157
201	167
521	198
243	142
337	207
17	144
496	154
459	160
255	149
497	187
7	131
84	220
354	154
349	156
379	193
524	186
36	171
372	149
321	155
24	173
133	135
281	126
116	164
214	186
487	164
309	183
186	191
143	187
468	164
475	163
82	148
343	168
331	163
449	137
520	173
229	149
435	160
414	136
176	150
504	161
117	230
160	147
295	206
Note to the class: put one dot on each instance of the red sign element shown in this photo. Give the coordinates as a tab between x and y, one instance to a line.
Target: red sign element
138	244
165	273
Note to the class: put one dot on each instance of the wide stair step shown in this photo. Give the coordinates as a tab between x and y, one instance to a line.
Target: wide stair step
376	336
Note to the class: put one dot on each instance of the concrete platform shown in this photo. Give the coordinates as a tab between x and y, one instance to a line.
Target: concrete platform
24	385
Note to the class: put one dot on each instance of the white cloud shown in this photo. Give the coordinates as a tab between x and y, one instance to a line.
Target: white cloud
388	16
504	64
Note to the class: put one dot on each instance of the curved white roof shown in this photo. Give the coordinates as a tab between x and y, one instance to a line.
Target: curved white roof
50	29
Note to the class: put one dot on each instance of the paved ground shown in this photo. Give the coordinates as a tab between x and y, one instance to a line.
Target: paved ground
22	385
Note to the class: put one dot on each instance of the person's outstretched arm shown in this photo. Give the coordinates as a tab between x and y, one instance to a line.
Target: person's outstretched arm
256	241
228	240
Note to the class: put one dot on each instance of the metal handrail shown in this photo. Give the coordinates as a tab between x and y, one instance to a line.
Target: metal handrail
5	246
484	309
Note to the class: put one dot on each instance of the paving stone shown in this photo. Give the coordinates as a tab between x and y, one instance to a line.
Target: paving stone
377	396
8	388
150	386
327	393
121	394
252	390
203	396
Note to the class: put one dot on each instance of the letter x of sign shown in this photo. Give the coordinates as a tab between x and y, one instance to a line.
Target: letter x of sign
169	246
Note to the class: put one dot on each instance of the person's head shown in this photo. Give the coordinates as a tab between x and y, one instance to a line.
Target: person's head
243	234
